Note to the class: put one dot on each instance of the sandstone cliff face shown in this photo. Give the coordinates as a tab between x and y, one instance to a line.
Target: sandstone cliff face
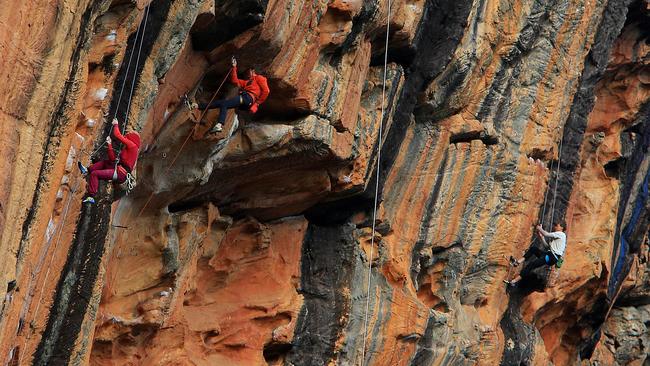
255	245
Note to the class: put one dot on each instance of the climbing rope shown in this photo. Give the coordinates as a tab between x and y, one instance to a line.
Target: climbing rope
130	179
544	207
557	179
378	169
553	201
178	153
126	75
135	72
61	227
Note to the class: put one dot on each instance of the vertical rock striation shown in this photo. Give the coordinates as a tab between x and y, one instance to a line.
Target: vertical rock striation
257	245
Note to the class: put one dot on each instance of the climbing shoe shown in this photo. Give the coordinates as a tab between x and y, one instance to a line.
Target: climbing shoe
88	200
217	128
82	169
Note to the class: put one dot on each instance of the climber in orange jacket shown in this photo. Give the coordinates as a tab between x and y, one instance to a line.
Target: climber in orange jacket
252	92
113	169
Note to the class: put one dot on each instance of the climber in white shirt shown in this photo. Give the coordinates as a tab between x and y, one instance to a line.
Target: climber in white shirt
558	239
550	256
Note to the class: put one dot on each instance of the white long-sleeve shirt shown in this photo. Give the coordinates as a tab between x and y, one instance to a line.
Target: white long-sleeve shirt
558	241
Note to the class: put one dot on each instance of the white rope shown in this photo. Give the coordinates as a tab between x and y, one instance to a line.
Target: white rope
557	179
544	207
378	169
126	75
135	73
137	63
557	174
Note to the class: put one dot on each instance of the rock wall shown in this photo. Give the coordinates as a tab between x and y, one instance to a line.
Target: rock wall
260	244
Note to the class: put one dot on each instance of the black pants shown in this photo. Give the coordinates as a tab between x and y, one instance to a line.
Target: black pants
243	100
540	258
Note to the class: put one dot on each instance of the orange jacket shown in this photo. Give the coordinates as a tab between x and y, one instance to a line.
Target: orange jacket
257	87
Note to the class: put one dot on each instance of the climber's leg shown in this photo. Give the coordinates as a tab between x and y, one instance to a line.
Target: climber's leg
95	176
225	104
100	165
215	104
93	184
103	164
246	101
531	252
538	261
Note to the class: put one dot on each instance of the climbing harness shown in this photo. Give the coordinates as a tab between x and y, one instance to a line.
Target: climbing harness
558	260
129	182
378	168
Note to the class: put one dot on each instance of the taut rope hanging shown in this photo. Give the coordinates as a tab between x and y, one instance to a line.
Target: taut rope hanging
126	75
130	181
135	72
378	168
557	177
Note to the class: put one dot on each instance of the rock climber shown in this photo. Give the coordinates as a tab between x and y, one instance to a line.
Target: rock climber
550	255
252	92
112	169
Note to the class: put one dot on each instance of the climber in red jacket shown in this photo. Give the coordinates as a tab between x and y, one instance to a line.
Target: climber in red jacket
252	93
112	169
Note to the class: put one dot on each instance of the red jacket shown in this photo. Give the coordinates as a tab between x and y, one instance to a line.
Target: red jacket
257	87
129	154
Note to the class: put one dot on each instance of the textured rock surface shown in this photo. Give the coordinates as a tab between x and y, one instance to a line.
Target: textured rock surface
254	246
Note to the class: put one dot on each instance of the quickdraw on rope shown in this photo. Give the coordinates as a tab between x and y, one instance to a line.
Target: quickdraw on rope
378	168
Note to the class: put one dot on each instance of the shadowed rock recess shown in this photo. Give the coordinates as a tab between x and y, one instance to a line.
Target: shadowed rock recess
254	246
